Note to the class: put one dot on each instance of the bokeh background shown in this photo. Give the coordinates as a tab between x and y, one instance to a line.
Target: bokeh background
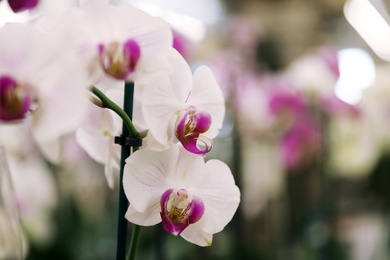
306	136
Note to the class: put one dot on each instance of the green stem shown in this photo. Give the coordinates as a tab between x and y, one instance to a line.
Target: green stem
136	232
108	103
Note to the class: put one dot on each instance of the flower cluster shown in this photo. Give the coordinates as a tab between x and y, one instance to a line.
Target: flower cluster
48	67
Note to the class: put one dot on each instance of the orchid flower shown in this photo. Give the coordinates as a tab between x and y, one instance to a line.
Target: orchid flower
33	83
191	198
190	108
119	41
96	136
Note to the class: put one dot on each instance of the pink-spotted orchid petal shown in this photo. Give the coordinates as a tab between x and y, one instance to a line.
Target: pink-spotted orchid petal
192	198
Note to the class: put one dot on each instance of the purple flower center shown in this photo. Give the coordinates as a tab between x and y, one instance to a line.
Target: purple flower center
22	5
119	60
190	124
15	99
178	210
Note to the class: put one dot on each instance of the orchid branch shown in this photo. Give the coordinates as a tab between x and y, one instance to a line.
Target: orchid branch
109	104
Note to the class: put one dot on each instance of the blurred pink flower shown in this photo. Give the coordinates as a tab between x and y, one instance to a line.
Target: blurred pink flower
283	102
300	144
336	107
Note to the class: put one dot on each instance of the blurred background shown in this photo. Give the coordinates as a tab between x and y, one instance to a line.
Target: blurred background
305	134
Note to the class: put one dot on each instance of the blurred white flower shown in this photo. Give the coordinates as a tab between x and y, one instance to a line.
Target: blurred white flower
34	184
35	83
315	73
354	148
97	133
263	175
120	41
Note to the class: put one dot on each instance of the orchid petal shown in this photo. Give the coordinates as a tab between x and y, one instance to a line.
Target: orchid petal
97	147
60	111
219	194
196	235
144	176
150	217
181	79
206	95
159	107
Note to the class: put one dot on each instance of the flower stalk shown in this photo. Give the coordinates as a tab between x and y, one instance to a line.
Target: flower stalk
136	232
128	129
109	104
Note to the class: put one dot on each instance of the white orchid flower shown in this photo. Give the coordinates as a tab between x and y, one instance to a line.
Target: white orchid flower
120	41
188	108
190	197
35	80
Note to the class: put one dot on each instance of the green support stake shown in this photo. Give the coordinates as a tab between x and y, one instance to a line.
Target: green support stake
125	153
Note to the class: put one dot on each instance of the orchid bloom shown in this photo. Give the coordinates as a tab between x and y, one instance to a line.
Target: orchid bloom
32	83
190	108
96	136
191	198
118	41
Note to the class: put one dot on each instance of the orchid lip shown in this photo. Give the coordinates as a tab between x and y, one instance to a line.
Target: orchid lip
119	60
15	99
189	127
22	5
179	210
